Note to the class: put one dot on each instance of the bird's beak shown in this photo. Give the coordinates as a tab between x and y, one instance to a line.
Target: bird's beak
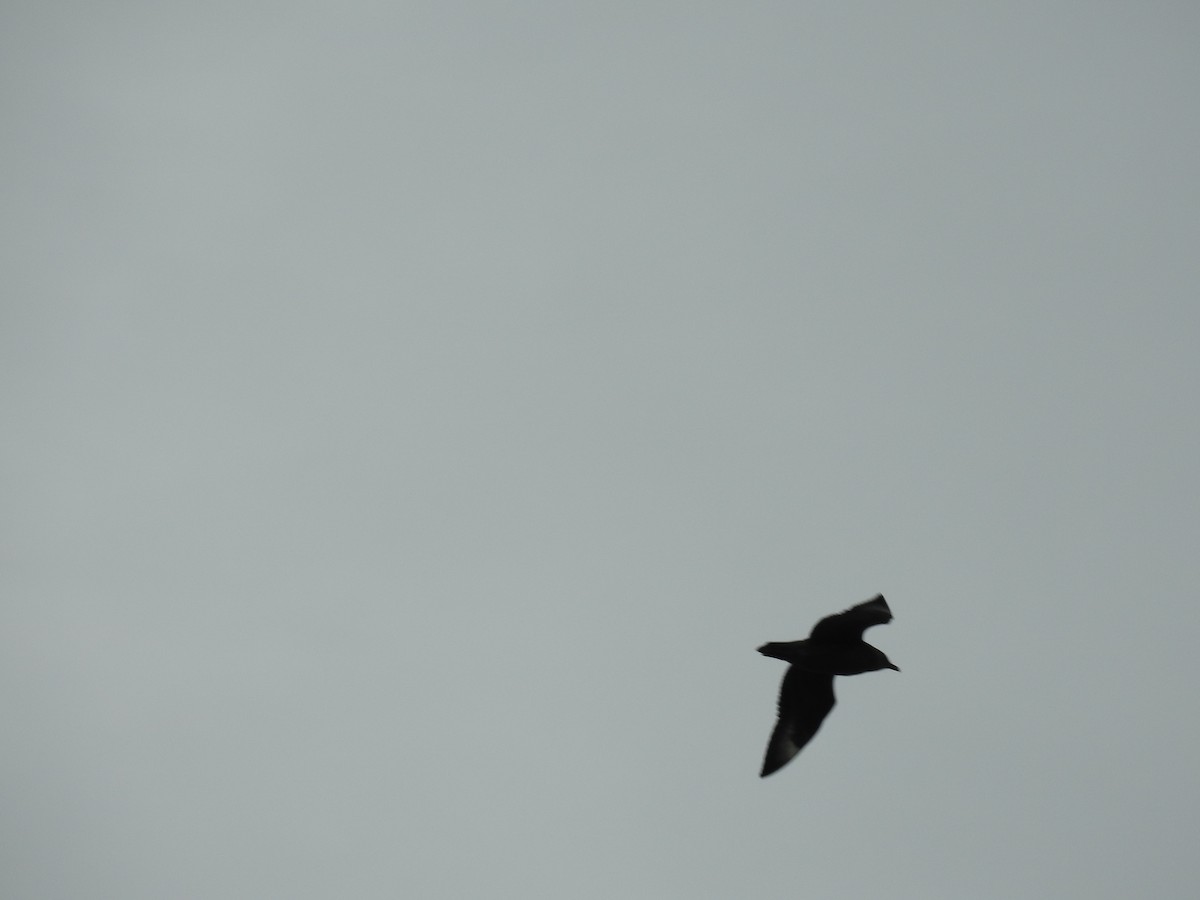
893	666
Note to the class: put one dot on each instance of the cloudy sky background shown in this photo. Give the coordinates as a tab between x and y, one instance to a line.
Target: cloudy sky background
417	413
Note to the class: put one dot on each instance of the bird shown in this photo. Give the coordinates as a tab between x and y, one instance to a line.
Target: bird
834	647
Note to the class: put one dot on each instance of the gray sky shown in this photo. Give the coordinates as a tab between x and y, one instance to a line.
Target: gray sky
417	413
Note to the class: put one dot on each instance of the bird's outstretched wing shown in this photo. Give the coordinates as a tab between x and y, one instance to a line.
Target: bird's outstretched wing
849	625
805	699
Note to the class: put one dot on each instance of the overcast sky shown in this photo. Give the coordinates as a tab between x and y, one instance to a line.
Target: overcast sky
417	413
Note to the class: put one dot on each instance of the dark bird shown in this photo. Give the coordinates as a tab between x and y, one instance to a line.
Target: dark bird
835	647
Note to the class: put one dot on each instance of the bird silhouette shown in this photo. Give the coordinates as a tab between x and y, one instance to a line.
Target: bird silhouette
835	647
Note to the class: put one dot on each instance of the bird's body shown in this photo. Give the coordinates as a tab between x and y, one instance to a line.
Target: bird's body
835	647
829	659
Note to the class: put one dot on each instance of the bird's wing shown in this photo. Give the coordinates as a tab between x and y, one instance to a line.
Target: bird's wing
849	625
805	699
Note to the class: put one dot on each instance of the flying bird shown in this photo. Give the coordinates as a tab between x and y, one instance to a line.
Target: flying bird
835	647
